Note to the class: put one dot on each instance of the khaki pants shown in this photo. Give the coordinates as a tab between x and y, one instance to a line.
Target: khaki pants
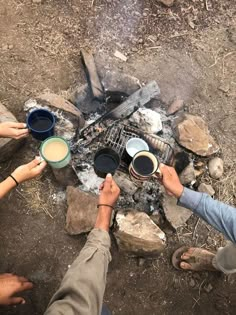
225	259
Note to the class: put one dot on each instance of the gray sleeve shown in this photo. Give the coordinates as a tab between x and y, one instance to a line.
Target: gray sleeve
219	215
82	289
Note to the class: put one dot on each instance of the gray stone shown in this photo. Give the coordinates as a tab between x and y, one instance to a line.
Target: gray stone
125	184
175	106
82	97
192	133
187	176
68	117
119	81
147	120
216	167
167	3
82	211
208	189
8	146
175	214
138	235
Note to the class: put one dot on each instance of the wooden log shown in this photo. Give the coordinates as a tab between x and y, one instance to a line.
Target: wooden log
134	101
92	75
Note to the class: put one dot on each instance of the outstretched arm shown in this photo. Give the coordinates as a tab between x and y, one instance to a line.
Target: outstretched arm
82	289
221	216
21	174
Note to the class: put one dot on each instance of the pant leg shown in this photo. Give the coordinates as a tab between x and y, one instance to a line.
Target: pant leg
225	259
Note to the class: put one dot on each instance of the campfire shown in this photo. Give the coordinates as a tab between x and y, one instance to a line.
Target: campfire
110	119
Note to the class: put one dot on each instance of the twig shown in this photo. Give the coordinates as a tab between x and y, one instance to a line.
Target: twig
206	5
223	61
195	228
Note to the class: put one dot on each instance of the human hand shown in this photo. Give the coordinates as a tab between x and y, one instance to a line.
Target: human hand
10	285
13	130
170	181
29	171
109	191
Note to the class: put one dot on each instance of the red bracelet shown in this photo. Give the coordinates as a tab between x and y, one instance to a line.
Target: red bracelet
103	205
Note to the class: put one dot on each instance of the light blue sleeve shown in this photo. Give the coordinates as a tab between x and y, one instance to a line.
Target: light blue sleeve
221	216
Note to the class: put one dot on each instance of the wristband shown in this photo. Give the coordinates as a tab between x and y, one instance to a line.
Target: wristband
14	179
103	205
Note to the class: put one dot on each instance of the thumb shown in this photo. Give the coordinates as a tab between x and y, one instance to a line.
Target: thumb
108	181
34	163
16	300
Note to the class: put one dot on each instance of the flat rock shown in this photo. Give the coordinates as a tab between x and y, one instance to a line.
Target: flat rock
8	146
192	133
125	184
147	120
175	214
137	234
68	117
59	102
82	211
208	189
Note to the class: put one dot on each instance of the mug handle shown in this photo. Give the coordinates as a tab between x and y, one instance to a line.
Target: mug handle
158	174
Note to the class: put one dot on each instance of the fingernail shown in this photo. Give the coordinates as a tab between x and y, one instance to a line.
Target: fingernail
25	125
23	302
109	175
38	158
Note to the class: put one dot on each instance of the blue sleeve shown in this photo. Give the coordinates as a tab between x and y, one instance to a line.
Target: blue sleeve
221	216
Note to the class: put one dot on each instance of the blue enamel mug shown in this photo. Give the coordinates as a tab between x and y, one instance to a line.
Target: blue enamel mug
41	124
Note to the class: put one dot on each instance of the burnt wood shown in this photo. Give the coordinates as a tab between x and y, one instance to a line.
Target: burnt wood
134	101
92	75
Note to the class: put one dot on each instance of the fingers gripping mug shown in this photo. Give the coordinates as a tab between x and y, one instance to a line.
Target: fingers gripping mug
143	166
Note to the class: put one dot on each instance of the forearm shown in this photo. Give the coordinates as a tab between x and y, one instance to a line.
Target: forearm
82	289
217	214
103	218
7	185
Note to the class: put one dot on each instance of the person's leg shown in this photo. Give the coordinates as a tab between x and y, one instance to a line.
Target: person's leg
225	259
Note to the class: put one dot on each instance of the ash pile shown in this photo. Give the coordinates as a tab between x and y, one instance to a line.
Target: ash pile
108	111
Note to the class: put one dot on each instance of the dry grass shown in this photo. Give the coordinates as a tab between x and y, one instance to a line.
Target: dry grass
38	196
225	186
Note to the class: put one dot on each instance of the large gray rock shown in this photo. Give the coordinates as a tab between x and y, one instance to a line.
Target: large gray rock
175	214
8	146
82	211
137	234
68	117
119	81
192	133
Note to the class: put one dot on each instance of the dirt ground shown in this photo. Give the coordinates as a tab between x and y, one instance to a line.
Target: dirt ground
190	50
